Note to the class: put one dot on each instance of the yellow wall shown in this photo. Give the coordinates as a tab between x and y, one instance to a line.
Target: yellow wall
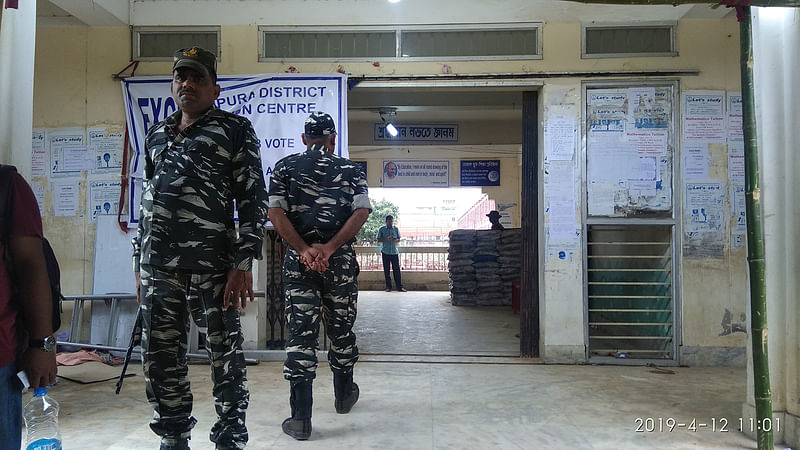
73	87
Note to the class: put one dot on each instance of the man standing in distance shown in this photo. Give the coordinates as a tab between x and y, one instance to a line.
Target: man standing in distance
388	236
317	203
187	253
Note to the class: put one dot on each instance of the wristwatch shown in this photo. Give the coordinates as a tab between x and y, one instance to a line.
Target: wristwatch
47	344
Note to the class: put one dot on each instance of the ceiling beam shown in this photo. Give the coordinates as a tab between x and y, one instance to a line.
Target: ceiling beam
97	13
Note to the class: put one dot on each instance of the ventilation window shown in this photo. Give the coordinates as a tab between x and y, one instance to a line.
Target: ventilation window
627	41
472	44
327	45
454	42
160	43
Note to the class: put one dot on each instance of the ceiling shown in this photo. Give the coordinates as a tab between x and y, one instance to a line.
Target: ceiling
352	12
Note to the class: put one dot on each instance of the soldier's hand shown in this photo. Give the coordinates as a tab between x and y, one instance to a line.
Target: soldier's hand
312	258
324	256
238	288
138	288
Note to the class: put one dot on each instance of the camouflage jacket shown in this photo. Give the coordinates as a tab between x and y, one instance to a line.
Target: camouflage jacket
191	180
319	191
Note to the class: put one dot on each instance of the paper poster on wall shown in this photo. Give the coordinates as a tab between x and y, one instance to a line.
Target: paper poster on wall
601	198
40	161
735	130
704	116
648	143
480	173
106	147
559	138
65	197
705	207
736	161
38	192
640	98
695	160
103	198
68	153
559	184
738	208
416	173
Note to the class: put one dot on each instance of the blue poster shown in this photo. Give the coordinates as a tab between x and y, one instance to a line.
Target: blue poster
480	173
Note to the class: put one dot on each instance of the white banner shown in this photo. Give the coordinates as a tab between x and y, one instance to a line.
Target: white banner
276	104
416	173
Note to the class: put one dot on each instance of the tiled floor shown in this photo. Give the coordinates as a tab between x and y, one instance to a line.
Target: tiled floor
442	399
414	323
441	406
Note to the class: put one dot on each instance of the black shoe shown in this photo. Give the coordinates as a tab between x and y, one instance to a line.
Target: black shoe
299	429
300	399
174	444
388	290
345	391
402	290
344	406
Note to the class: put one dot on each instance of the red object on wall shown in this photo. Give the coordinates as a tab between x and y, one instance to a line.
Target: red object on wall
515	296
12	4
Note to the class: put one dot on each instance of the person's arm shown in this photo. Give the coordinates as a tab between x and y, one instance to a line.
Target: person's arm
149	168
251	203
278	204
380	233
345	234
30	272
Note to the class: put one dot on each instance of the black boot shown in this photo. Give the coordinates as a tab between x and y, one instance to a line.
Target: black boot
300	399
346	392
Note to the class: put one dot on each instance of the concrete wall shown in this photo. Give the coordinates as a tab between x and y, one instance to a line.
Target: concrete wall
73	87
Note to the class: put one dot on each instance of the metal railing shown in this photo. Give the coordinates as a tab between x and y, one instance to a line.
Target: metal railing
420	259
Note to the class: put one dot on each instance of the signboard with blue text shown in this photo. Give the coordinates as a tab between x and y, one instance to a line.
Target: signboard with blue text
480	173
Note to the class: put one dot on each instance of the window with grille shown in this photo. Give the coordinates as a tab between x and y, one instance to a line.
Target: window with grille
160	43
601	41
451	42
630	306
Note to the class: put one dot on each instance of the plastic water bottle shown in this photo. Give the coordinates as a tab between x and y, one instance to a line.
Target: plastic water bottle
41	419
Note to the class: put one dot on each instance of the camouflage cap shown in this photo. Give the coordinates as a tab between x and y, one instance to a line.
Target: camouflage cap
198	59
319	124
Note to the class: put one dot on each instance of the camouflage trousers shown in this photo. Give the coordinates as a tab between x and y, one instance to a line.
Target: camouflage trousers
168	299
311	296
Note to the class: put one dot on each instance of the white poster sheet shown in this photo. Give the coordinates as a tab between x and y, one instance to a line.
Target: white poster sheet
69	155
559	183
738	208
735	129
416	173
695	160
559	138
65	197
38	192
736	161
705	207
103	198
40	161
106	146
704	116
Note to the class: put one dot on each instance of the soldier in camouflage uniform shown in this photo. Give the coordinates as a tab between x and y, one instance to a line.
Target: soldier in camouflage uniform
188	256
317	203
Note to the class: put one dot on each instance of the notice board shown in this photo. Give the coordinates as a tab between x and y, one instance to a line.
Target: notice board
630	149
